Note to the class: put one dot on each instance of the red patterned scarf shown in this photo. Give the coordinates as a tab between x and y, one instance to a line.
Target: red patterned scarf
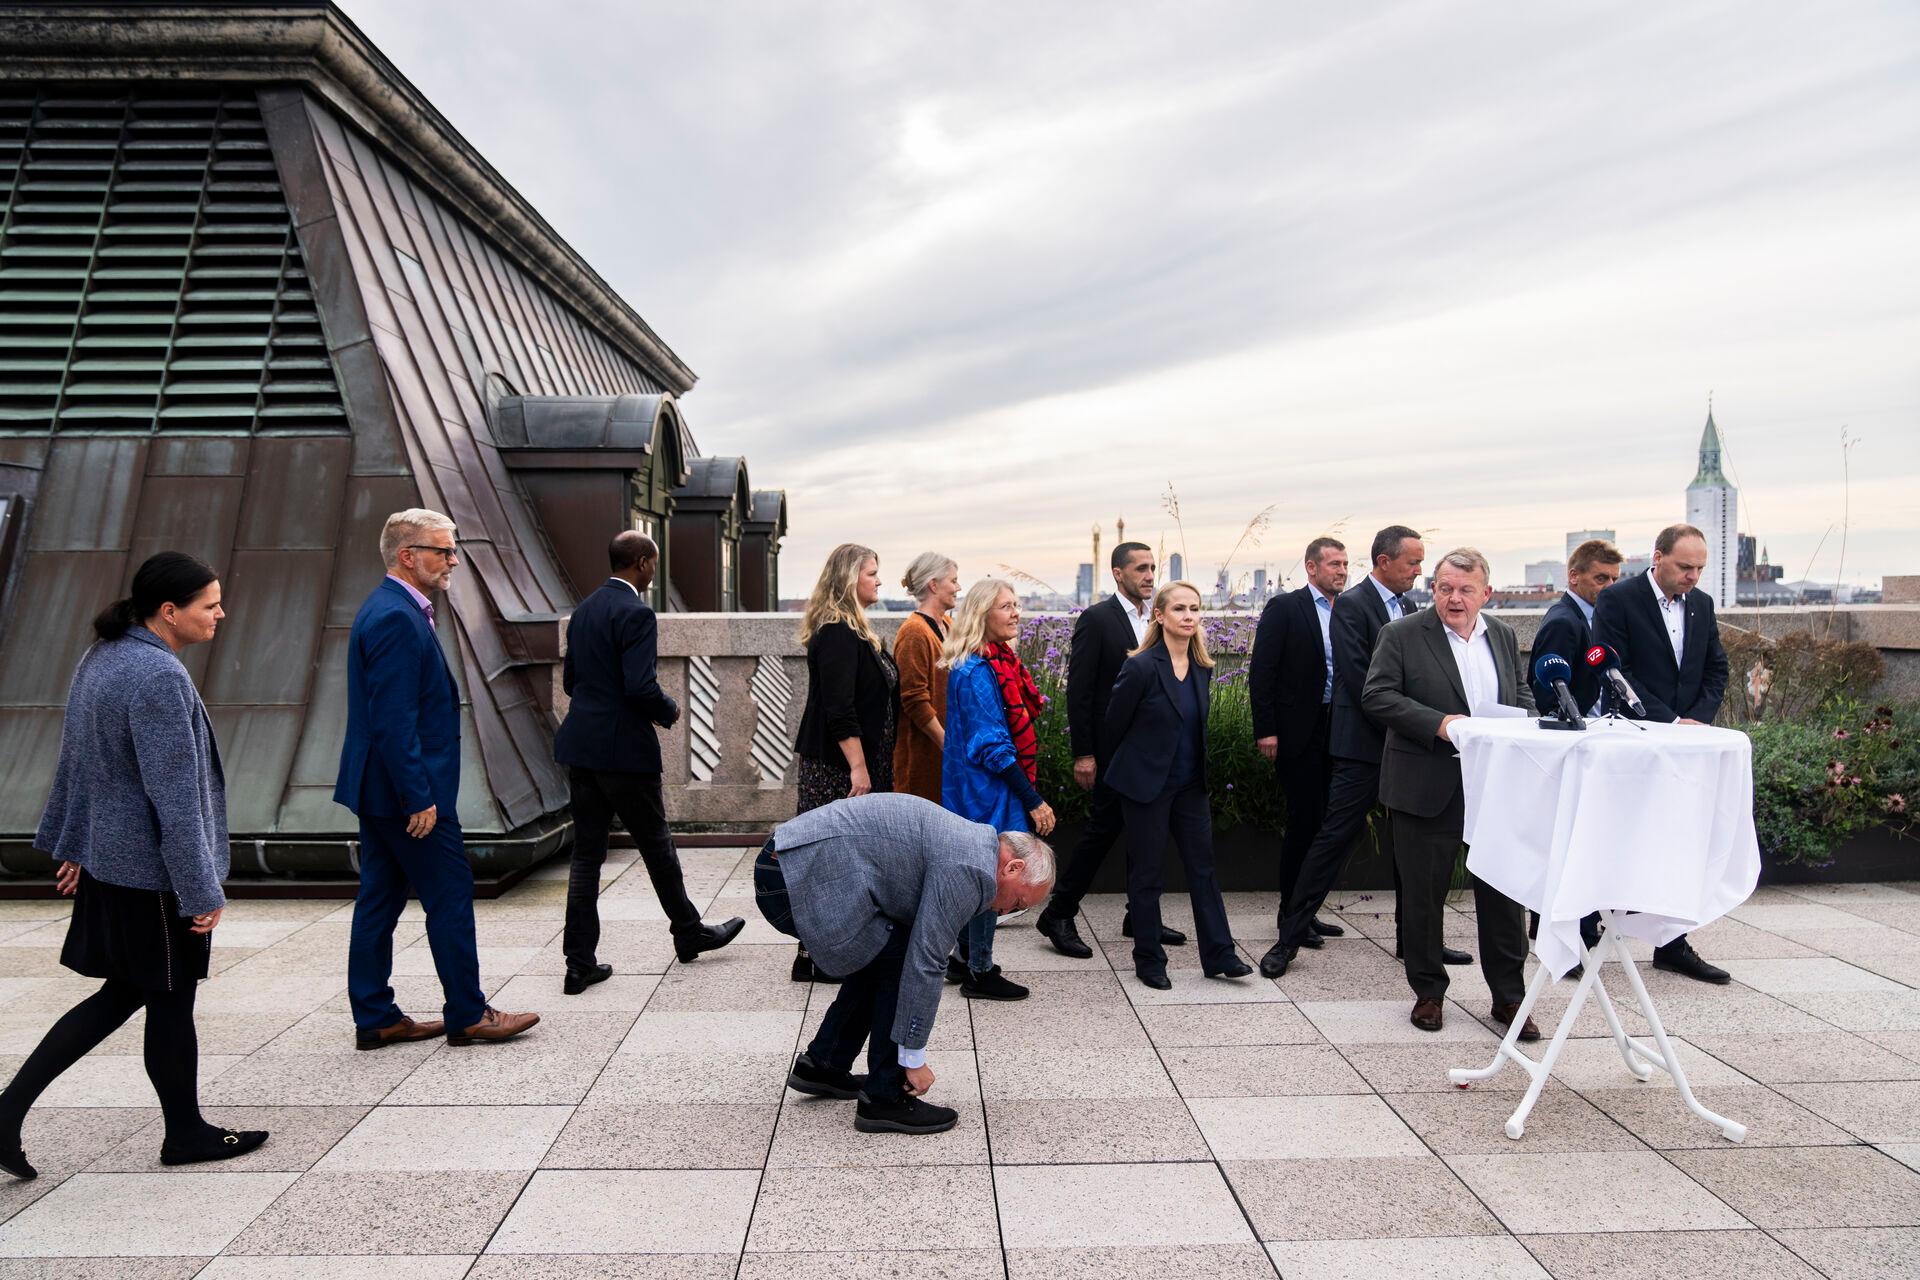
1022	697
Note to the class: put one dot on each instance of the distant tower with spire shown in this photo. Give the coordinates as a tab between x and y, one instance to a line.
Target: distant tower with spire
1713	507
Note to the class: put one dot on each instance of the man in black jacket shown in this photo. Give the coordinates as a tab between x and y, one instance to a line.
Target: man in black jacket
1103	635
1355	741
1290	677
612	756
1669	646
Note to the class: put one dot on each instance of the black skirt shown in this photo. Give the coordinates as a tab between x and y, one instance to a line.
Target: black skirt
134	935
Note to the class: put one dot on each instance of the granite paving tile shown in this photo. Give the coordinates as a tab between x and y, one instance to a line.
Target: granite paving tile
1884	1111
1107	1205
1697	1255
630	1211
1819	1056
313	1079
179	1213
1809	1186
451	1266
603	1266
1659	1119
1092	1131
1447	1258
1356	1198
369	1212
1869	1253
1473	1122
670	1135
691	1077
1191	1026
1347	1022
819	1132
1897	1010
816	1210
1302	1128
624	992
120	1080
1142	1262
659	1032
1092	1072
1261	1071
300	1136
876	1264
1578	1192
447	1139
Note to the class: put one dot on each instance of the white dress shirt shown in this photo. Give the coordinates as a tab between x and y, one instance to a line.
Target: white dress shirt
1136	618
1673	612
1387	598
1478	675
1323	607
623	582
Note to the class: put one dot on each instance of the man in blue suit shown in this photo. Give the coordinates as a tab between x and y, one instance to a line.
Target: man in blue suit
612	756
400	772
1668	640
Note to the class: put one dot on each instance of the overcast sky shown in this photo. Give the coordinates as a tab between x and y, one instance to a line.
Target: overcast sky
974	277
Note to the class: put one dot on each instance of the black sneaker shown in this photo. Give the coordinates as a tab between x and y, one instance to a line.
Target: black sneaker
215	1144
991	986
1681	958
823	1081
906	1115
956	970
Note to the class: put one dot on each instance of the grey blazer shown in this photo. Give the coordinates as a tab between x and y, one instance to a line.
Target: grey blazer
857	869
1413	684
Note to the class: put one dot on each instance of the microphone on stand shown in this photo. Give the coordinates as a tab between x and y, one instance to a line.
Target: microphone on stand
1608	662
1550	670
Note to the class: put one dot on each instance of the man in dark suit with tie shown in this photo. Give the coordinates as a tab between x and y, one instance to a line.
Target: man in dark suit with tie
1429	671
400	772
612	756
1568	631
1354	741
1669	646
1290	678
1103	635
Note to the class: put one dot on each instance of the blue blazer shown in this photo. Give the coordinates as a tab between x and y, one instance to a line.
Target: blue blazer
611	675
1565	631
402	752
1628	617
980	774
1145	719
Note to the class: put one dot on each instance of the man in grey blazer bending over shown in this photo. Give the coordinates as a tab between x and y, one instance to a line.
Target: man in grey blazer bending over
878	887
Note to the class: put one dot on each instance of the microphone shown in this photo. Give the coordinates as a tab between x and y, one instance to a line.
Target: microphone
1550	670
1608	661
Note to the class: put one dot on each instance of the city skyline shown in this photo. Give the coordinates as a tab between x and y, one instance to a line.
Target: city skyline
926	279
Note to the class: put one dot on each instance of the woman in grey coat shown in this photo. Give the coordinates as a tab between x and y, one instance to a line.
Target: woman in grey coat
138	820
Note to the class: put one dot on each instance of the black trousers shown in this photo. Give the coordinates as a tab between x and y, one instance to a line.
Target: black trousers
598	795
863	1007
1184	814
1303	785
1426	850
1351	793
1104	822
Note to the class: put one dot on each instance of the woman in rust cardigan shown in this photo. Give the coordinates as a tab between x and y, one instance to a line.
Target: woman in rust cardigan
934	581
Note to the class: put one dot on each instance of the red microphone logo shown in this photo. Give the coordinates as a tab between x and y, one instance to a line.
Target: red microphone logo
1597	656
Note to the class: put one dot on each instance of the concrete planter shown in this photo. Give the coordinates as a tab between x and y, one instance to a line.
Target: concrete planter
1878	854
1246	860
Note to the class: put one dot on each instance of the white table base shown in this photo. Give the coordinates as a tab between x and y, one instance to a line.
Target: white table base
1640	1059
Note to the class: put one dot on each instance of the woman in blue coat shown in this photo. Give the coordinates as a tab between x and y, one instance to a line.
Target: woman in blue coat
1157	727
987	768
137	818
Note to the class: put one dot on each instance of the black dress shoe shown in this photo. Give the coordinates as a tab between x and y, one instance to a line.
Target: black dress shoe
706	937
1453	955
1312	941
1326	930
905	1115
1234	968
215	1144
1063	935
804	970
1682	959
1155	978
579	980
992	985
1279	956
823	1081
14	1160
1168	937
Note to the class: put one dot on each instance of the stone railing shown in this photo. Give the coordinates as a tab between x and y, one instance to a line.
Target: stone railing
741	679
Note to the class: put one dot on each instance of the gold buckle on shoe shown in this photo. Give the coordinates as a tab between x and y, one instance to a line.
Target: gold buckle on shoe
232	1139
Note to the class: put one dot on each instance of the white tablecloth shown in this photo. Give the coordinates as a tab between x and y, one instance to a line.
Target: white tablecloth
1651	818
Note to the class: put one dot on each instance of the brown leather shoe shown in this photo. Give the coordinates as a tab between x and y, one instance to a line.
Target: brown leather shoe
495	1026
1427	1015
1503	1014
400	1032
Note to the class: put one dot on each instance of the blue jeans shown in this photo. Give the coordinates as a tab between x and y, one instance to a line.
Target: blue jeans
436	867
863	1008
977	941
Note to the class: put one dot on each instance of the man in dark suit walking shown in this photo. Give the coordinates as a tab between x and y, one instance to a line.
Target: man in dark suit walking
1290	677
1568	631
1431	670
1354	741
1669	646
1103	635
612	756
400	772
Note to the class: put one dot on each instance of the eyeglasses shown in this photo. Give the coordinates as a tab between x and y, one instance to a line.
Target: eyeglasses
448	552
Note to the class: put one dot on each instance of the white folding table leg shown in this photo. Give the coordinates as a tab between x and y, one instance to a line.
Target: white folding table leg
1610	946
1733	1130
1509	1051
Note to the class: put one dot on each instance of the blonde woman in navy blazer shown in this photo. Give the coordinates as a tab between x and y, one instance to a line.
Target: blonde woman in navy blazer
1156	725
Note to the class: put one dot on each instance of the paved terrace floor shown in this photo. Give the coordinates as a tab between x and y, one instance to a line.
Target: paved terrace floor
1298	1128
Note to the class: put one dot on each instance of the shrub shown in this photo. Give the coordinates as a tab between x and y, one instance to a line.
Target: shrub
1831	775
1792	677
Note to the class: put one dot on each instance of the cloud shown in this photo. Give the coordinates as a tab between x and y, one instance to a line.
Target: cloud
978	276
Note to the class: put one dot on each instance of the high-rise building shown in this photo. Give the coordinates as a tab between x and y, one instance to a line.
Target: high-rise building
1176	568
1713	506
1083	585
1222	590
1579	536
1549	573
1259	585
